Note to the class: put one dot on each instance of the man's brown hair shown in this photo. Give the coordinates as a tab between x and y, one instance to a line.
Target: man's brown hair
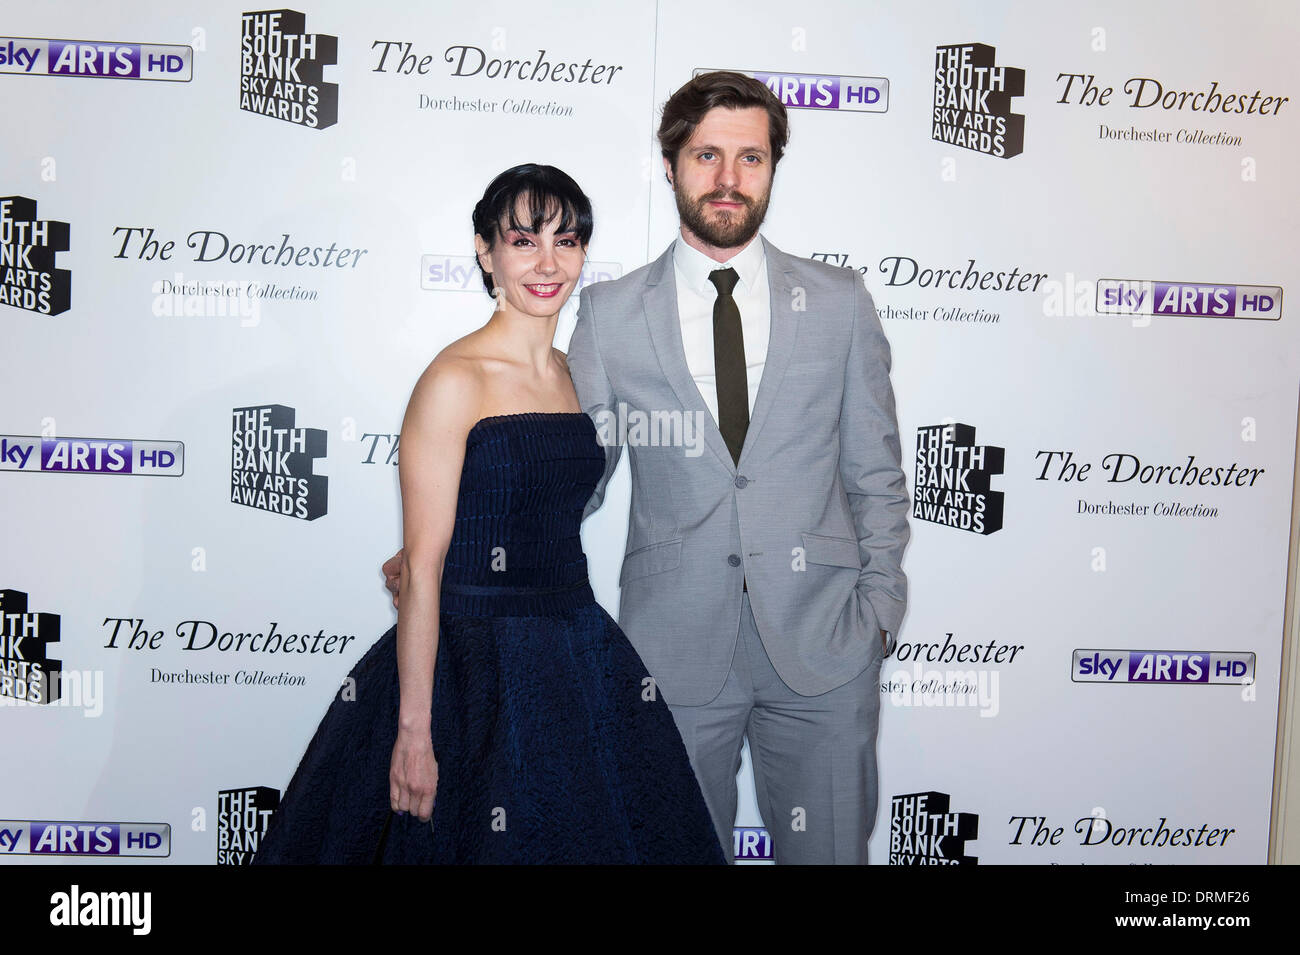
685	108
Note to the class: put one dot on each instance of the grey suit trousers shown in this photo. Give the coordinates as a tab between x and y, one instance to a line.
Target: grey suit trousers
814	757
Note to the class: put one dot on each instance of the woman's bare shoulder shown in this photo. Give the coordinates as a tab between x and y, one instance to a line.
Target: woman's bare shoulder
449	391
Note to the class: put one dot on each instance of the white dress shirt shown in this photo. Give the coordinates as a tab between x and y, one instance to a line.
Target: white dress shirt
695	298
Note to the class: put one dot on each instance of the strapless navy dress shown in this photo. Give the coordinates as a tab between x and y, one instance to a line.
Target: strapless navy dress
552	743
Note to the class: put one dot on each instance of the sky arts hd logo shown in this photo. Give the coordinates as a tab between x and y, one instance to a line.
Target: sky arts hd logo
460	273
751	844
103	58
111	839
1163	666
953	476
282	69
28	277
271	463
19	452
846	94
1188	299
972	101
922	831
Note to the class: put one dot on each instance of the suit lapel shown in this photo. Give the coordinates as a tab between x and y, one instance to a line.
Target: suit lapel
780	342
660	303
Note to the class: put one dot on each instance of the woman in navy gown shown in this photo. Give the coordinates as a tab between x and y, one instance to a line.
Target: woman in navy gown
505	717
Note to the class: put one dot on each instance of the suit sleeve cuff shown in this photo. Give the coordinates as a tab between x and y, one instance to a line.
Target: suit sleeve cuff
888	611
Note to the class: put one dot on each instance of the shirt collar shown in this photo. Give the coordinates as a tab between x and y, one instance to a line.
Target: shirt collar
695	266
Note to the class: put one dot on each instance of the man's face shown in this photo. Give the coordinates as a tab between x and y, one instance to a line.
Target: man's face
723	178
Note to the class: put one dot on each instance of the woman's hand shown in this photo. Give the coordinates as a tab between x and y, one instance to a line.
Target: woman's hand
413	776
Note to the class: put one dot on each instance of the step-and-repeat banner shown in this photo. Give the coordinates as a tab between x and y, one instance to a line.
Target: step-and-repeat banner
231	239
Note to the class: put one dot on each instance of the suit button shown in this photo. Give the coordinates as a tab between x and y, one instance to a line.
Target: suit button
733	560
741	480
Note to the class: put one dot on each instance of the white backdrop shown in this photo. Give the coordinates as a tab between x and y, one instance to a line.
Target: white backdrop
1028	759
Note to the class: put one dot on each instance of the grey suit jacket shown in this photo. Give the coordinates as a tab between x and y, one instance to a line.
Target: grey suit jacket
814	516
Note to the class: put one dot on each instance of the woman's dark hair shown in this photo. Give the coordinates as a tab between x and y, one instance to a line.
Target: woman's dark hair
685	108
546	193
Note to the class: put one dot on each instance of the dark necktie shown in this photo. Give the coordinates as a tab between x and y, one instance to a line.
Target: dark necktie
729	363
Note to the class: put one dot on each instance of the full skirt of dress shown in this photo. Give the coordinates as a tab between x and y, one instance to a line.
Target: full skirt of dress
552	742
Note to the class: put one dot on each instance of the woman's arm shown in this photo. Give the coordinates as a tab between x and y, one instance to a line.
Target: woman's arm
443	407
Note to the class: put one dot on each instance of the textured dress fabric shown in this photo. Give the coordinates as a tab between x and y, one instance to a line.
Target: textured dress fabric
552	743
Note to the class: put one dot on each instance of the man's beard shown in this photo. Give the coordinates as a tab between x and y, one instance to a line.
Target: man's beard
727	230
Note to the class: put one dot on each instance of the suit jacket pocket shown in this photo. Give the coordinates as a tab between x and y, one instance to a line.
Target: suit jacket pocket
651	559
836	551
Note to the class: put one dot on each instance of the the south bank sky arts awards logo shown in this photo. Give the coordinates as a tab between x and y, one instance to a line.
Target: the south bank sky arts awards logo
29	674
953	479
29	277
105	59
844	94
923	830
972	101
27	671
282	69
272	462
243	816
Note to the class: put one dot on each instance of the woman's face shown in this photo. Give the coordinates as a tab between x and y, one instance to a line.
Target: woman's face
536	272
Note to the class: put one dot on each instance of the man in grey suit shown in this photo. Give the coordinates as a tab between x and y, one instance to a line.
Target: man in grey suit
800	485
